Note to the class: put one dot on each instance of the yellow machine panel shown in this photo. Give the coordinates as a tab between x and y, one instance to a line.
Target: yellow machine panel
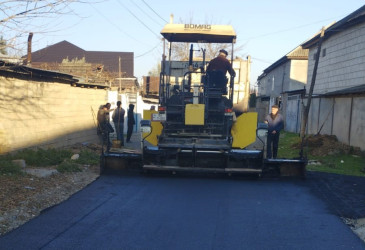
244	130
156	127
194	114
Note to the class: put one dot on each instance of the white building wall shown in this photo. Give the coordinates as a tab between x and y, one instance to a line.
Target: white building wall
273	83
298	75
344	62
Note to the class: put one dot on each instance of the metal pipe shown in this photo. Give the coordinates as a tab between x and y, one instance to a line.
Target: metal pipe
29	54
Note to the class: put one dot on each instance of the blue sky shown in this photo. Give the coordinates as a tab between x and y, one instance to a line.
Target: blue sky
266	30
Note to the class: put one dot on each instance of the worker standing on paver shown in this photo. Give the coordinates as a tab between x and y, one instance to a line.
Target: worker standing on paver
221	63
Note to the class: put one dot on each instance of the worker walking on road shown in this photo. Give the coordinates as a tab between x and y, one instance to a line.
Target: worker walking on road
131	122
275	123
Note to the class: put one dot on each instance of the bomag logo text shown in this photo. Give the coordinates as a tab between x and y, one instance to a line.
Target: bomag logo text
198	26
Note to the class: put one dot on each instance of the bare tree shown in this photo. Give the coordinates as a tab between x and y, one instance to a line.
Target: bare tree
155	71
3	46
18	18
180	51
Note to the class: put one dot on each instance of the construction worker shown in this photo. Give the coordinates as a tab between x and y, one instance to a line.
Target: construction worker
131	122
275	123
221	63
118	119
104	127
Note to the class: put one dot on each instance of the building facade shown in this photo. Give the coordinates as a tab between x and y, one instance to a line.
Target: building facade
278	83
339	92
115	69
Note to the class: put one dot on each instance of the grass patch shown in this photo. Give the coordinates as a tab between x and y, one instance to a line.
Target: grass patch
338	163
9	168
68	167
285	145
42	157
47	157
88	158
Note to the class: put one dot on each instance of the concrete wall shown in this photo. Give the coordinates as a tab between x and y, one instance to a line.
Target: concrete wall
314	112
293	114
340	116
298	74
292	75
275	81
343	64
341	119
357	136
47	114
325	116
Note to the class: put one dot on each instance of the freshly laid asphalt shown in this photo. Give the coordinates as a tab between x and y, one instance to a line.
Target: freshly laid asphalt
344	195
133	211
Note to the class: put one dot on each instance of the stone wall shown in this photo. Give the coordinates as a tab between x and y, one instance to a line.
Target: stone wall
46	114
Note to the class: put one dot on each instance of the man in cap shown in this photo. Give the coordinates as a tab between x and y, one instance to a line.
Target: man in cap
275	122
221	63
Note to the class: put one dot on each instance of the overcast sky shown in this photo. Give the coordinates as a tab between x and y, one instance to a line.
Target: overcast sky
266	30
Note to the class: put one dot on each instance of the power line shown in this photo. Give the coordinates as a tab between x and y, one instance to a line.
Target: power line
154	11
261	60
137	18
106	18
289	29
147	52
145	13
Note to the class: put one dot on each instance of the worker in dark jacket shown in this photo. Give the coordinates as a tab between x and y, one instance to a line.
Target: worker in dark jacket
118	119
131	122
104	127
275	123
221	63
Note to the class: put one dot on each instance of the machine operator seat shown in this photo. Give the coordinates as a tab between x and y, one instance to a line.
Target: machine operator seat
217	81
174	106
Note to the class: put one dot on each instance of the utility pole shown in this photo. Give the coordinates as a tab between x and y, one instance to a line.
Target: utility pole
307	107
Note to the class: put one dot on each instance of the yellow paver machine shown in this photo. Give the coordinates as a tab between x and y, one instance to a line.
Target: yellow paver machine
195	128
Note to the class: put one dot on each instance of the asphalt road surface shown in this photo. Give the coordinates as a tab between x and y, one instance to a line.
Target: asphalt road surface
174	212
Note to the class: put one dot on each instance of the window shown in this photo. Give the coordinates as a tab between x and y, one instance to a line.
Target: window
323	52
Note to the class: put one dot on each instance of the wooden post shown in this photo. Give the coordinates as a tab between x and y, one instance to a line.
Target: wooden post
307	107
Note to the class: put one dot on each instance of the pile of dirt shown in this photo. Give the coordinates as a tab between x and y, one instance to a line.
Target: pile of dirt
322	145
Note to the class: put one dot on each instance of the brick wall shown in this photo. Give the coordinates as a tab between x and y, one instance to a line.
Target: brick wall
46	114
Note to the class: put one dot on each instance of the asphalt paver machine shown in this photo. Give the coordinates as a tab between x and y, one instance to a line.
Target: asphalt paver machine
195	128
